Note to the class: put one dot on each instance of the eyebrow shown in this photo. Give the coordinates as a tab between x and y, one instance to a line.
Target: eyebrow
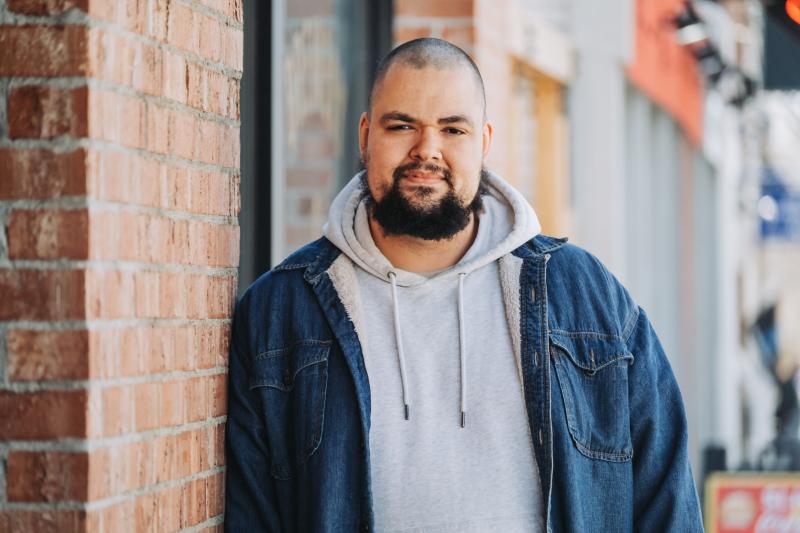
403	117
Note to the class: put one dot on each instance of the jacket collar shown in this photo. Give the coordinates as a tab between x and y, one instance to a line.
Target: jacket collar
318	256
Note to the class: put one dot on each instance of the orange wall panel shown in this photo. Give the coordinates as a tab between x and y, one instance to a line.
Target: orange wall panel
663	69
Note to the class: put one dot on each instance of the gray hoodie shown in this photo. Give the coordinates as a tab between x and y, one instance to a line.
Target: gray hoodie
450	445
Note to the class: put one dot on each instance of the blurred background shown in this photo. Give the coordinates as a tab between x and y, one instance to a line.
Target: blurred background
661	135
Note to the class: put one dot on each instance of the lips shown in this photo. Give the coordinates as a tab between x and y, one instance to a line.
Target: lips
416	176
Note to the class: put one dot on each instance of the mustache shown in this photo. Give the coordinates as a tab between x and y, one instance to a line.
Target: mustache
401	171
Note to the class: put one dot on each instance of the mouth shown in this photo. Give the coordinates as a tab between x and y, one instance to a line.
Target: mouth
422	178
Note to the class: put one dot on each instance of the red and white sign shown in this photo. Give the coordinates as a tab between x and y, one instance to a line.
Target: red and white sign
752	503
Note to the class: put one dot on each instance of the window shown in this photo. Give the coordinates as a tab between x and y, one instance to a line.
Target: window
308	68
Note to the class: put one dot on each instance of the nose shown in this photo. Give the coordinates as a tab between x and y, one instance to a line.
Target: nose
427	147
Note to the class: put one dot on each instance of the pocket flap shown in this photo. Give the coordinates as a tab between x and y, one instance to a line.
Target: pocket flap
278	368
592	352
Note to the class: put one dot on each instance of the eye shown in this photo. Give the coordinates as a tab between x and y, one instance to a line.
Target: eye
399	127
454	131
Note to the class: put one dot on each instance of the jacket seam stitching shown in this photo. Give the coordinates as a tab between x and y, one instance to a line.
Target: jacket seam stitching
578	334
627	331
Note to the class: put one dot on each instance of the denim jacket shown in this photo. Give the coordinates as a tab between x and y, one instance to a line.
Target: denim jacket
606	416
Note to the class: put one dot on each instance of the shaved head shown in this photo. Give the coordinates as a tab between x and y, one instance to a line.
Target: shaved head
427	53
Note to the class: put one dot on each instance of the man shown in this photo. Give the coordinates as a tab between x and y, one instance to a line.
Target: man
434	364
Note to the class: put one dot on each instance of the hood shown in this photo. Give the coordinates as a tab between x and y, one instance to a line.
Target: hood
507	222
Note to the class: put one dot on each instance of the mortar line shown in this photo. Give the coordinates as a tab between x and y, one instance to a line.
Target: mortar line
65	143
75	82
98	265
230	21
78	18
111	324
101	504
72	203
98	443
106	383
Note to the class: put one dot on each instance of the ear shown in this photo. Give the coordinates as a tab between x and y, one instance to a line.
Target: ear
363	133
488	128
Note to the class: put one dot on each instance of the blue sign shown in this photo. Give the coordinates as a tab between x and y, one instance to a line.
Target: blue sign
779	209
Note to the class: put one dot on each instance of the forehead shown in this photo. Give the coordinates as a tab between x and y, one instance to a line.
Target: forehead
429	90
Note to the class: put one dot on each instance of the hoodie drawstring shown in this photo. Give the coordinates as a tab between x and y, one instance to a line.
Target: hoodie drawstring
462	346
398	337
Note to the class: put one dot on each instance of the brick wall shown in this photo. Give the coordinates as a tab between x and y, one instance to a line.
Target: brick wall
119	157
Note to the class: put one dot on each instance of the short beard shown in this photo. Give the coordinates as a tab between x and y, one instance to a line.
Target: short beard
437	221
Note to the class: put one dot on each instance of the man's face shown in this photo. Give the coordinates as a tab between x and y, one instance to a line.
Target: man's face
425	140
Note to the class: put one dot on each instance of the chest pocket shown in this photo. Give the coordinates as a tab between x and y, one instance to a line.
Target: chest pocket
592	374
291	385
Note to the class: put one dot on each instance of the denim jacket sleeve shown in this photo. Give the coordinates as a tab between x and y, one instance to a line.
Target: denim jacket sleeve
665	497
251	494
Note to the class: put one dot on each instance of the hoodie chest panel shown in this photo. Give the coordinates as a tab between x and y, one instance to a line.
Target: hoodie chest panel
417	463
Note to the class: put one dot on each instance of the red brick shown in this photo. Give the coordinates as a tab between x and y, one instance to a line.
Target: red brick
219	395
116	517
183	454
48	234
42	173
43	50
146	513
194	502
175	77
233	48
215	495
197	81
39	294
462	36
200	457
409	33
197	399
43	521
150	78
182	27
218	446
42	112
233	8
182	128
147	399
220	297
132	15
211	42
158	26
169	509
234	95
46	7
118	410
172	403
42	414
47	476
229	146
110	294
113	471
48	355
434	8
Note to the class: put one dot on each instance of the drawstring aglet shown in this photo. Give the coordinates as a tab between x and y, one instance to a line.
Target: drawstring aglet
463	419
406	411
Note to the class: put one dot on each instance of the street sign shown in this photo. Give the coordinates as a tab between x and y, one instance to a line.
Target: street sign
779	209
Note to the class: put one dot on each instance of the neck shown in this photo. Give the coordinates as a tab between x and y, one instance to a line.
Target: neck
419	255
